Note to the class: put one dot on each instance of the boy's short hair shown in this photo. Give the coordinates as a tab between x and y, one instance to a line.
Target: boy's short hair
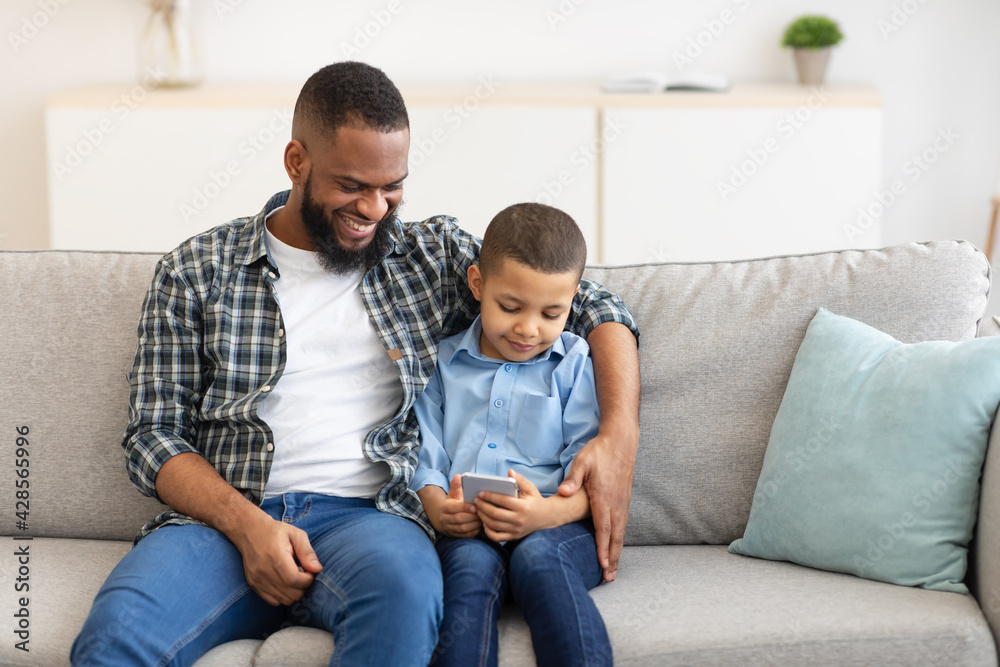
539	236
349	93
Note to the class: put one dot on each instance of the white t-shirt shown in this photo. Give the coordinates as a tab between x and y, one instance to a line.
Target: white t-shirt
337	385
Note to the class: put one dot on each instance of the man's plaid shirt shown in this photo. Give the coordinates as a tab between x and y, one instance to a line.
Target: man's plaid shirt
212	344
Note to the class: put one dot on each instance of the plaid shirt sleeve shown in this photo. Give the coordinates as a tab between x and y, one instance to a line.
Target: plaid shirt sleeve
594	305
462	251
165	379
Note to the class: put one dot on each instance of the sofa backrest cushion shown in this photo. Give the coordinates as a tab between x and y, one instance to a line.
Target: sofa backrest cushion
716	350
67	338
718	341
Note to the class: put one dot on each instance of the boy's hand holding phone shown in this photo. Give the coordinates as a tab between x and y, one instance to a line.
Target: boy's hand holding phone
507	518
449	513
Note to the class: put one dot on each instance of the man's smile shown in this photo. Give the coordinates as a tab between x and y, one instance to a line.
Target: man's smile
355	228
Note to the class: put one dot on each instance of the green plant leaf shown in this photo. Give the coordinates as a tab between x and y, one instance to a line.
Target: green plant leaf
812	32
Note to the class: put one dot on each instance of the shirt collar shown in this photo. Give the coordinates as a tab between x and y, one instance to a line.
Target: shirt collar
469	343
254	247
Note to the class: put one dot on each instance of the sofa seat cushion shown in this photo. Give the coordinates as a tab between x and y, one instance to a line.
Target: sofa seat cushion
700	605
291	647
241	653
692	605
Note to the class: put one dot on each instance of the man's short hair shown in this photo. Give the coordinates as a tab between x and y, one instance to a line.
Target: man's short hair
349	93
542	237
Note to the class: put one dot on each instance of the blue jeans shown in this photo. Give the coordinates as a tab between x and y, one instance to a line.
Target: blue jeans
182	591
549	573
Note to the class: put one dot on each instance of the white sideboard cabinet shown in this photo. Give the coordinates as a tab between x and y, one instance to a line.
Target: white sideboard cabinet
763	170
134	169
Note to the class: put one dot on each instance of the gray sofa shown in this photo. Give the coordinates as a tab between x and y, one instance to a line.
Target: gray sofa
718	344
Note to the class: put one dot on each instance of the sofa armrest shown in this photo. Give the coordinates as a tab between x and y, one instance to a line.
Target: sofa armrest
984	579
990	326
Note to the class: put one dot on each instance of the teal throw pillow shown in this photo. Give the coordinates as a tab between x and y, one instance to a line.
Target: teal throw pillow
874	459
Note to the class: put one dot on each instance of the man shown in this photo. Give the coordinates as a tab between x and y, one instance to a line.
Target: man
278	360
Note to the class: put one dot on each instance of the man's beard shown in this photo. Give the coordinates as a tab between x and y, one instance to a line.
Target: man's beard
332	256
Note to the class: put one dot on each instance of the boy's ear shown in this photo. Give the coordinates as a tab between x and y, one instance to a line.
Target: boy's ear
476	282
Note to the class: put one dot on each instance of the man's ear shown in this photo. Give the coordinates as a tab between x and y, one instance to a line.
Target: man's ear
296	162
476	282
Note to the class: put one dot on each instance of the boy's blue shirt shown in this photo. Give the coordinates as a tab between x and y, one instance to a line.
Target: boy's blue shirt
485	415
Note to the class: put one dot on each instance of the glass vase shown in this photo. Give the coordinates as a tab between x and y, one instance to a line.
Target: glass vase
169	52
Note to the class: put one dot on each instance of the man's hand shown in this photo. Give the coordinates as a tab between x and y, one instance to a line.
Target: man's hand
450	514
278	561
604	468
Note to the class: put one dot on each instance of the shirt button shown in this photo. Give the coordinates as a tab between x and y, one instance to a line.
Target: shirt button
498	402
270	446
270	274
508	367
266	388
492	445
281	332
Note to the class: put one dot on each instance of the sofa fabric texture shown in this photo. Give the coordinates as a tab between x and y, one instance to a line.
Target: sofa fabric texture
717	347
718	343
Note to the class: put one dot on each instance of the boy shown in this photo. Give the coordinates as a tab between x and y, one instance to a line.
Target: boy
514	394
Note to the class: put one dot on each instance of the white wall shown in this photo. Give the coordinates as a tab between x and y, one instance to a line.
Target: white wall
938	68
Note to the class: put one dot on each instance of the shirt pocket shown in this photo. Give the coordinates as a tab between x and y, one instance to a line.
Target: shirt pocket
539	431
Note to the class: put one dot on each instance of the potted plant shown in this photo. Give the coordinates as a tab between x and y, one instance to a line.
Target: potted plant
811	38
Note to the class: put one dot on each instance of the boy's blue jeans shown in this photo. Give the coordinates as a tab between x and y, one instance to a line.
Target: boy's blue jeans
549	573
182	591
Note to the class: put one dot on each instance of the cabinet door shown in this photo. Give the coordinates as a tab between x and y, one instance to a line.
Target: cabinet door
472	164
149	179
720	184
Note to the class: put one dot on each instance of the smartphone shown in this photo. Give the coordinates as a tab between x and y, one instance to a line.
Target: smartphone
473	483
